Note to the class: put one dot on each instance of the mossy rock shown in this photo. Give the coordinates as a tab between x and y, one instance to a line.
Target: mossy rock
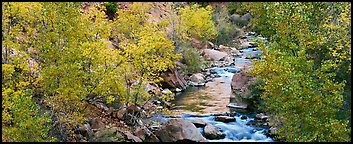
108	135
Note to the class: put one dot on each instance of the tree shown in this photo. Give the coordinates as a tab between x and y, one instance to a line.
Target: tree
22	118
302	67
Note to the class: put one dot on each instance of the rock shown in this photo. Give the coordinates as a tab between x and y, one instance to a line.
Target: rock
236	19
197	84
121	112
271	131
108	135
241	83
225	119
140	132
96	123
223	47
179	130
235	52
148	106
197	78
246	45
228	59
86	131
149	88
199	123
168	104
251	33
252	56
243	117
261	116
102	106
237	105
172	79
178	90
213	54
220	114
146	135
157	102
211	132
131	137
210	45
246	18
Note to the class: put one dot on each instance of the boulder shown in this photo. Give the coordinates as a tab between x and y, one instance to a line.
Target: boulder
197	78
86	131
261	116
246	18
131	137
178	129
236	19
241	83
247	44
213	54
172	79
225	119
145	135
244	117
96	123
108	135
212	132
120	114
199	123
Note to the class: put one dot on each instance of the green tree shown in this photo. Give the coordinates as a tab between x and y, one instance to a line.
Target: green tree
306	67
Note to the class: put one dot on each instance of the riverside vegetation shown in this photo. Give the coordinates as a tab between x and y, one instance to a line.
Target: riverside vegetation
60	58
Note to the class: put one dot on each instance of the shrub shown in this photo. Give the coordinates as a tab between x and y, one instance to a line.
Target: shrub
192	58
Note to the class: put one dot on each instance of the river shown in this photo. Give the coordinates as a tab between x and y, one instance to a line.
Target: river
203	102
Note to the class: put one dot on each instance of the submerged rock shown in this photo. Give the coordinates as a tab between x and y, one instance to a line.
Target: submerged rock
225	119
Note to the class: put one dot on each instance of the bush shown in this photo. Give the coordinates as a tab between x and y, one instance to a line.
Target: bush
192	58
236	8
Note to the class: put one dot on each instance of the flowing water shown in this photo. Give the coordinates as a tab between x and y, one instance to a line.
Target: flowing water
202	102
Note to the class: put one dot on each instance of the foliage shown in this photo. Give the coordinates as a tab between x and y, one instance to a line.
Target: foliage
74	62
236	8
188	23
226	31
196	22
192	58
146	50
202	4
301	68
111	8
22	120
